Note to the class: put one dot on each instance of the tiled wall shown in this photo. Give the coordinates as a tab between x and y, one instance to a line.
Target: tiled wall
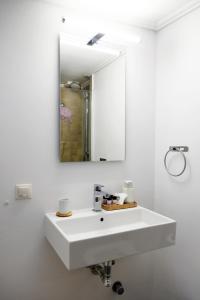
71	128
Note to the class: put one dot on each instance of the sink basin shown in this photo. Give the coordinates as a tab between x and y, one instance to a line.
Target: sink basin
87	237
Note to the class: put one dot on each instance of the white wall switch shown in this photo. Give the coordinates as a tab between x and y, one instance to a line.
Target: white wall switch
23	191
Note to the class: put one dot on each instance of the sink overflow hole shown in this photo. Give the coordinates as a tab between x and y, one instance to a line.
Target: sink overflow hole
102	219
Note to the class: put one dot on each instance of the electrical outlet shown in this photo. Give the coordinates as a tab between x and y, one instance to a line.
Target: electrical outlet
23	191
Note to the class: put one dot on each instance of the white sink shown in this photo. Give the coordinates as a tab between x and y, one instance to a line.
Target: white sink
89	237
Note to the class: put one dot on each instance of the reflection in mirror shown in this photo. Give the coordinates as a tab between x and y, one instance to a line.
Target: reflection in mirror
92	100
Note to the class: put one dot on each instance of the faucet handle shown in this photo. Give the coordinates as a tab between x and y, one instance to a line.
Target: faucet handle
98	187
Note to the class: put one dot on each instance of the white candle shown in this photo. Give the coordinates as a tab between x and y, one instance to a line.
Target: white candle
63	205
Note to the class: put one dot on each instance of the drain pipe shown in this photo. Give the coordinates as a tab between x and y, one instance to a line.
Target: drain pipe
104	272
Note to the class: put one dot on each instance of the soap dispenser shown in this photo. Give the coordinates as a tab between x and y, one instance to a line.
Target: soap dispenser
129	190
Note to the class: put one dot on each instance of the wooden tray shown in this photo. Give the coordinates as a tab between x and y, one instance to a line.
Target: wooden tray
119	206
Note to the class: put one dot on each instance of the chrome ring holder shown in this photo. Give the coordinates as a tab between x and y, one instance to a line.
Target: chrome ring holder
181	150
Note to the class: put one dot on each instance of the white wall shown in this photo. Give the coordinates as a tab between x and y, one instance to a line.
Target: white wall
108	111
178	123
29	73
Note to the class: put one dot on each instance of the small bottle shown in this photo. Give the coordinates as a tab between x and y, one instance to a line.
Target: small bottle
108	199
109	202
129	190
114	199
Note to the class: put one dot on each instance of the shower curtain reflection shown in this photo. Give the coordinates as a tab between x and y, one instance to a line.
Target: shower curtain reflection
75	121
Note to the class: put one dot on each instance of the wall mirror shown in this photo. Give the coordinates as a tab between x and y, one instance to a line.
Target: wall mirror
92	100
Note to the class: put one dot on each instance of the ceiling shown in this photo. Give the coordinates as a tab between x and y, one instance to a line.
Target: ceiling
152	14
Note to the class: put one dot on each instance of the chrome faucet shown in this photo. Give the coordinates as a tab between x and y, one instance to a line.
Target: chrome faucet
98	197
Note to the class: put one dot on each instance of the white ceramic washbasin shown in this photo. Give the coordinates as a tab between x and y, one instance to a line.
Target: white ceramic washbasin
89	237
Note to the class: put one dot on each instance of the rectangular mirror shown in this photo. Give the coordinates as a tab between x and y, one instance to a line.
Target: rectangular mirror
92	101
